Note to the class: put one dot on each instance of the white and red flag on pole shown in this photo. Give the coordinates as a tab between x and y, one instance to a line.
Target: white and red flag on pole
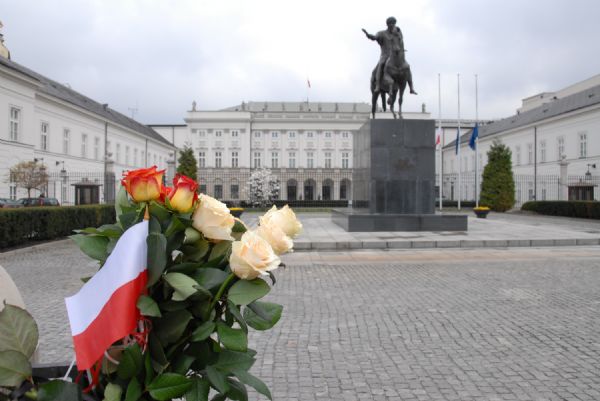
104	310
437	140
308	82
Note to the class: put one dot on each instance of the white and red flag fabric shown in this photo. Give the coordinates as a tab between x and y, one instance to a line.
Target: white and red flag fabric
437	140
104	310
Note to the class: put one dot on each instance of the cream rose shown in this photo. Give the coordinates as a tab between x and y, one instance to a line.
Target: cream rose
252	256
275	236
284	218
213	219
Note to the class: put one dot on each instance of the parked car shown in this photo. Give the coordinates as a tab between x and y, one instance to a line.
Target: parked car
9	203
26	202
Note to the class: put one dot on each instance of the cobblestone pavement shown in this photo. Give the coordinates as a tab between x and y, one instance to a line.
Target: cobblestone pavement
504	324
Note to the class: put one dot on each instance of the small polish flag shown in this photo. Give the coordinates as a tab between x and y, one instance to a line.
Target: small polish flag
437	140
308	82
104	310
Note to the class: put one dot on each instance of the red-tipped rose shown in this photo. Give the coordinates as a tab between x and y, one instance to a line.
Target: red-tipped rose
144	184
183	195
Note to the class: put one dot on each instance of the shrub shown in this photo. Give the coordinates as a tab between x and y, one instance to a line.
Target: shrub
583	209
498	185
18	226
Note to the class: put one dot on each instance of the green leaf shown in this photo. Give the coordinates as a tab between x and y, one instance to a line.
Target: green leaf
203	331
219	251
148	360
237	391
127	219
157	256
131	363
232	360
18	331
183	285
171	326
134	390
92	245
148	306
159	211
218	379
122	201
154	225
244	292
168	386
192	235
262	315
233	339
185	268
253	382
238	227
235	312
196	251
209	277
112	392
59	390
182	362
14	368
175	226
107	230
198	391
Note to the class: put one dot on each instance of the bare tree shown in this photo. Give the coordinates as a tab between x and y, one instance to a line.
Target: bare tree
29	175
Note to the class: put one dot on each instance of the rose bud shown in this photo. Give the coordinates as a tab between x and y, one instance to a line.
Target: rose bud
144	184
212	218
284	218
252	256
183	195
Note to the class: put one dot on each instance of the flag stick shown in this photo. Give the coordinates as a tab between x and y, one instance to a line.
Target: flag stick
476	145
458	144
440	136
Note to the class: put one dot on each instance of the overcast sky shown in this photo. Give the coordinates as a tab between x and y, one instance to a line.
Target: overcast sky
158	56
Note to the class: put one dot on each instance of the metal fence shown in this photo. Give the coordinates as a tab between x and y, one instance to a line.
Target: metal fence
78	187
527	187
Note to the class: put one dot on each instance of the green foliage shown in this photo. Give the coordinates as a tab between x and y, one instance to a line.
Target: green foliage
582	209
498	186
18	340
19	226
187	163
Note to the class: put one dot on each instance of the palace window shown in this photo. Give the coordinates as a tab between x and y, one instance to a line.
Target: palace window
274	160
274	134
135	157
97	149
235	133
345	134
235	191
543	151
530	153
202	133
257	134
127	156
560	147
15	123
257	159
66	141
202	160
218	134
345	159
84	145
44	136
327	134
218	159
292	160
327	159
234	159
309	134
518	155
582	144
292	134
310	160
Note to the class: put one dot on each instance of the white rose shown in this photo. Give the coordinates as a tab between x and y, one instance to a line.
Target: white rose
213	219
275	236
252	256
284	218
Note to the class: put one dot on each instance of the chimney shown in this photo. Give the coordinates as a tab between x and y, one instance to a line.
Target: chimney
3	50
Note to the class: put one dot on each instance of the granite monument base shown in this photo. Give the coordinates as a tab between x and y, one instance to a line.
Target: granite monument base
356	220
393	178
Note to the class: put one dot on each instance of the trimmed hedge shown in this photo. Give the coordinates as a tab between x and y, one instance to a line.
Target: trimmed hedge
18	226
583	209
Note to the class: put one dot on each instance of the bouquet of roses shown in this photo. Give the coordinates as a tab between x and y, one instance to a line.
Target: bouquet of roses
206	273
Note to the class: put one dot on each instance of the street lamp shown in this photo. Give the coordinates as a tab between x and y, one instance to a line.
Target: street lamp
588	174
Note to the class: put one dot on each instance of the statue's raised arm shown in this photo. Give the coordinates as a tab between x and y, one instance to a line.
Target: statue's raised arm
369	36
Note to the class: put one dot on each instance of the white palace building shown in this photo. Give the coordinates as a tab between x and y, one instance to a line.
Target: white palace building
554	138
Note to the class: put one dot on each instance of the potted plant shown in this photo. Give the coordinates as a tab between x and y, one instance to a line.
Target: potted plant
201	288
481	211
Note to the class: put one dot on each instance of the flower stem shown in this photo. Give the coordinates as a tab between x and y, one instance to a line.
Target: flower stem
221	291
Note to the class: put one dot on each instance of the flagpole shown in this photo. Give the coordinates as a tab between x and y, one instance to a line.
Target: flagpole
476	145
458	144
440	136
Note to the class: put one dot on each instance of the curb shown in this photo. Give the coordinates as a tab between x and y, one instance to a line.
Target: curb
429	244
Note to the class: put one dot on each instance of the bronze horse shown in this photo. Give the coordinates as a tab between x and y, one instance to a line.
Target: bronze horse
396	75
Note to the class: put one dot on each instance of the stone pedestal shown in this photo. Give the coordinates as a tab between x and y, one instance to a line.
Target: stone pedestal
394	180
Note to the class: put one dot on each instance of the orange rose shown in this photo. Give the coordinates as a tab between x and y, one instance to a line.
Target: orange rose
144	184
183	195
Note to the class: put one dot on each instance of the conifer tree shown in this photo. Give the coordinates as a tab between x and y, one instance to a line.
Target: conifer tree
498	185
187	164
